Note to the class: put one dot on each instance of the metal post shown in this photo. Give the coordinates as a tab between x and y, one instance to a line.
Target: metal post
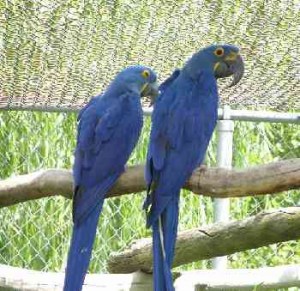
225	129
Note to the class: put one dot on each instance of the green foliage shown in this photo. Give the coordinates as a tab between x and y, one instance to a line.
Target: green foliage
36	234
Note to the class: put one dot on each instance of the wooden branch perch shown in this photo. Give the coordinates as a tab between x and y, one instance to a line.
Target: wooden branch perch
215	240
12	278
241	279
214	182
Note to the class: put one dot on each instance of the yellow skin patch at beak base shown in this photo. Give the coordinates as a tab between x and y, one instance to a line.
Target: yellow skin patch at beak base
144	87
216	66
231	56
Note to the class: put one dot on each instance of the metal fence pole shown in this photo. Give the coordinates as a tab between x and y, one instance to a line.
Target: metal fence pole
225	128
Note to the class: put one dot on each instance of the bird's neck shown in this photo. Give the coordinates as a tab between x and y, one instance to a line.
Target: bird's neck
199	65
116	91
202	76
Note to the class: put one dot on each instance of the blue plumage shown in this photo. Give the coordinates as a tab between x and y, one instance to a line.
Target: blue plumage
183	121
108	129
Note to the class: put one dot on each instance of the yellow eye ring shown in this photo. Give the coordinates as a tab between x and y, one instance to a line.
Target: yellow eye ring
145	74
219	52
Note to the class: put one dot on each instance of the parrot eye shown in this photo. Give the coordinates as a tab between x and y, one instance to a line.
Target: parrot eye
219	52
145	74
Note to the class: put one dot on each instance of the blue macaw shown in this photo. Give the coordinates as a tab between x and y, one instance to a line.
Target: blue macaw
183	120
108	130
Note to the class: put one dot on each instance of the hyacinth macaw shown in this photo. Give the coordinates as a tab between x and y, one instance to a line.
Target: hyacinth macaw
108	130
183	120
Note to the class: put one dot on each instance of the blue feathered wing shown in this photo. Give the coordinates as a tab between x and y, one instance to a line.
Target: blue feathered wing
179	138
107	133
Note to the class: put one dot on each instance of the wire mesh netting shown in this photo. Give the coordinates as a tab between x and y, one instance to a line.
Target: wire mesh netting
55	55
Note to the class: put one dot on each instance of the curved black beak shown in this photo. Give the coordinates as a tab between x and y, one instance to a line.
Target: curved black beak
232	65
150	90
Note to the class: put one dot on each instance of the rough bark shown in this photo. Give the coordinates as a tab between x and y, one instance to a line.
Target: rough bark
215	240
214	182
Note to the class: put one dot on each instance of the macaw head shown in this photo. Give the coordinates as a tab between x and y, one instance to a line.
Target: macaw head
139	79
221	60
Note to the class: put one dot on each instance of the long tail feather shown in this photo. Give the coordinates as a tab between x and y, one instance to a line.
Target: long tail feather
80	251
164	238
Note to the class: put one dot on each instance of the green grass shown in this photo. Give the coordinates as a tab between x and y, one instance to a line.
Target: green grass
36	234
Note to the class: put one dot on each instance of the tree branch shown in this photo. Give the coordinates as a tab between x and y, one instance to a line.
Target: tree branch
13	278
240	279
214	182
203	243
234	279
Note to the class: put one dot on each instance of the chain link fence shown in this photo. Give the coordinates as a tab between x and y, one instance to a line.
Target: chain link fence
260	143
54	55
36	234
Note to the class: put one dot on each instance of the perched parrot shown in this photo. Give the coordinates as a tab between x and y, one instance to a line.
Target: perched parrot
183	120
108	130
